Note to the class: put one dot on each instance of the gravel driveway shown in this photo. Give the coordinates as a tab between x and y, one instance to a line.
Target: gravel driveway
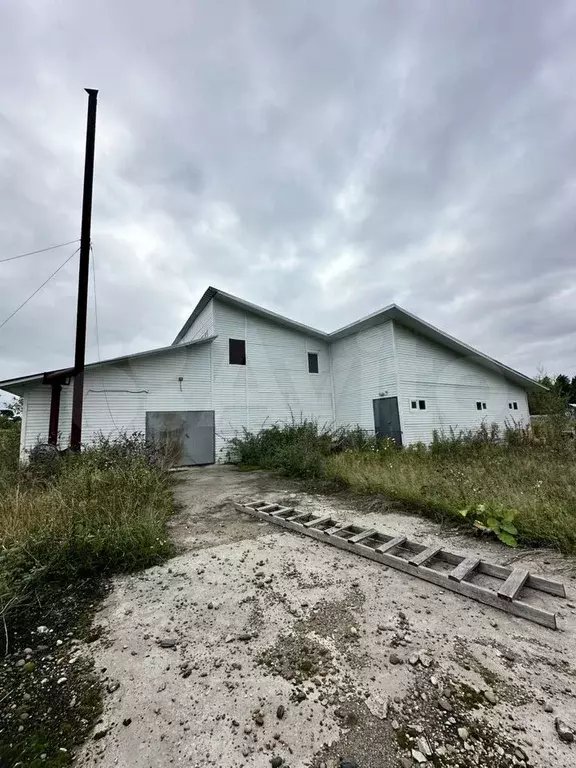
258	647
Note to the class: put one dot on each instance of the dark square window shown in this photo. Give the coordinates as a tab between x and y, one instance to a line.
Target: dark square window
237	351
478	405
422	405
414	404
312	362
483	406
515	406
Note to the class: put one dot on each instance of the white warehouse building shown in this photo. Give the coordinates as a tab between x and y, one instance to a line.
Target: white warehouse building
235	365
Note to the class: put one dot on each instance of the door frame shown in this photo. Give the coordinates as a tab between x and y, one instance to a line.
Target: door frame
400	443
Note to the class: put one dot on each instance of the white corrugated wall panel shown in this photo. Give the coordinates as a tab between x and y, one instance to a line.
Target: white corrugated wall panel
451	386
274	385
202	326
363	367
117	396
35	416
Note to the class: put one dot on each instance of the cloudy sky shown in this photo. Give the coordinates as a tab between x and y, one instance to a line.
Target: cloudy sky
322	159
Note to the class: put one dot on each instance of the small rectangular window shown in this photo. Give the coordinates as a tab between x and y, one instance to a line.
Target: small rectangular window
413	405
513	406
483	406
480	406
237	351
422	405
312	362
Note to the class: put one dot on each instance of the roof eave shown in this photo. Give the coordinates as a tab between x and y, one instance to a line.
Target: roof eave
47	375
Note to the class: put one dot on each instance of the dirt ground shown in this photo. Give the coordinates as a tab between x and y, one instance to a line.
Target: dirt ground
256	646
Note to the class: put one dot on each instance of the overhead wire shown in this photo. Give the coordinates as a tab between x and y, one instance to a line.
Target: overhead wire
42	250
10	316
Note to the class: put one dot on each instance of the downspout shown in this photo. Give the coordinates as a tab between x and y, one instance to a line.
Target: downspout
54	414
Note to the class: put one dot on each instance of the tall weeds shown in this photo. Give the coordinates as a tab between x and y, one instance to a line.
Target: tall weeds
69	517
530	472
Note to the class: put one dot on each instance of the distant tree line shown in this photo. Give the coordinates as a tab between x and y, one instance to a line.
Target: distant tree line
561	392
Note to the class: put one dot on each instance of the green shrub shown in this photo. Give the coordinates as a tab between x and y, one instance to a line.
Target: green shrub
297	449
493	519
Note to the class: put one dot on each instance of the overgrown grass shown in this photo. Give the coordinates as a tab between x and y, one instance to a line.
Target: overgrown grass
538	484
9	447
532	474
298	449
65	522
80	515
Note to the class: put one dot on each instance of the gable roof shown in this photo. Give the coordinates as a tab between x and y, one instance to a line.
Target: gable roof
391	312
430	332
67	372
247	306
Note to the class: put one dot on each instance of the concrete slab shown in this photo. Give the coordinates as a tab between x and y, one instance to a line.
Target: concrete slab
365	661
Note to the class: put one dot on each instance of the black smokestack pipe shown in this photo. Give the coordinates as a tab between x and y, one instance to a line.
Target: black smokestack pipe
80	349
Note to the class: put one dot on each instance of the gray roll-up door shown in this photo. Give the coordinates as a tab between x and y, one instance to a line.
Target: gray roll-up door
187	436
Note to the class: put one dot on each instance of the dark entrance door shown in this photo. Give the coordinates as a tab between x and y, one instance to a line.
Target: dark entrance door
187	436
387	419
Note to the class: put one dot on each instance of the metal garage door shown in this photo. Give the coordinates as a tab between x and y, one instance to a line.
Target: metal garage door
188	435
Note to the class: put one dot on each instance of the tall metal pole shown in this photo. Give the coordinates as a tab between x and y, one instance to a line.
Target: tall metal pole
80	349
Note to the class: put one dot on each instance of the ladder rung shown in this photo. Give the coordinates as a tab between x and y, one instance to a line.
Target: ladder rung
513	584
336	529
464	569
392	544
282	511
425	555
364	535
299	517
318	521
268	508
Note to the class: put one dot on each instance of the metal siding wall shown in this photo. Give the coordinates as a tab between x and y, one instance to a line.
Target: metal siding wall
36	413
451	385
125	409
203	325
274	384
363	366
